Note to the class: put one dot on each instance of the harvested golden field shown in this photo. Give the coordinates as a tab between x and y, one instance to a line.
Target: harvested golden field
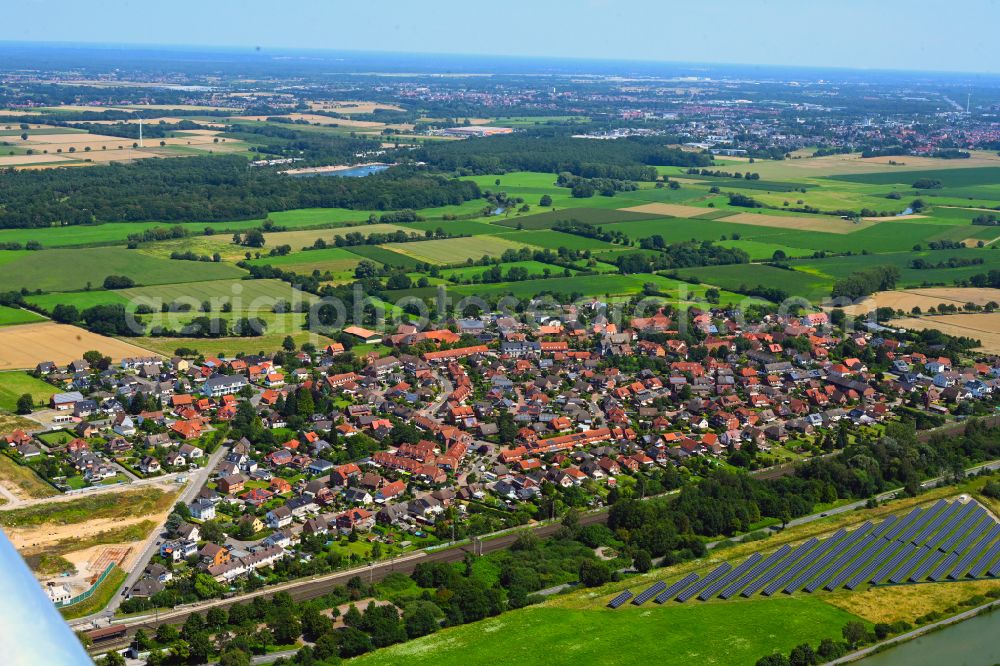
306	237
18	160
984	327
349	107
673	210
830	225
26	346
836	165
925	298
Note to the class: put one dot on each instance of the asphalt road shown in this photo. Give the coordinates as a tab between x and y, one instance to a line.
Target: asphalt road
195	482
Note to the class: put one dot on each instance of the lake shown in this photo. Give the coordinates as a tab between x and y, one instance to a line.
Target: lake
972	642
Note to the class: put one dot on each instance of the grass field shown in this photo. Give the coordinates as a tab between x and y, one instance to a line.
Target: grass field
333	259
451	251
383	255
534	268
737	276
10	316
14	384
67	270
595	216
948	177
553	240
738	633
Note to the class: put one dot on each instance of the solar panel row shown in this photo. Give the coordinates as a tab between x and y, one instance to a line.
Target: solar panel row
671	591
980	529
952	528
859	544
969	521
877	556
714	588
902	525
903	573
994	570
974	553
888	567
923	519
789	561
722	570
649	593
884	525
930	563
819	565
935	524
620	599
799	566
985	561
756	571
968	556
942	569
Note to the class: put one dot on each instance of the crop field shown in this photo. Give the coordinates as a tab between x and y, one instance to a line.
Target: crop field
829	225
984	327
663	635
594	216
474	272
27	345
80	299
930	297
669	210
739	276
456	250
383	255
15	384
70	270
113	232
553	240
838	267
459	227
242	294
948	177
306	237
10	316
333	259
759	250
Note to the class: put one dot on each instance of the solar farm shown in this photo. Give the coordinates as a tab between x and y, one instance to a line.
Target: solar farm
949	541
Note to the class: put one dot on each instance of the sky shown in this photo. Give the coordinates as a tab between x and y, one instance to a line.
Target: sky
864	34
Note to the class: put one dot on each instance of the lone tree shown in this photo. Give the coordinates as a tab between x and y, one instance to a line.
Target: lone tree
25	404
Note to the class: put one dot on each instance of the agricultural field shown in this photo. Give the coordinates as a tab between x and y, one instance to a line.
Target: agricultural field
534	268
306	237
333	259
594	216
837	267
27	345
948	177
71	270
740	276
984	327
452	251
930	297
15	384
384	255
553	240
10	316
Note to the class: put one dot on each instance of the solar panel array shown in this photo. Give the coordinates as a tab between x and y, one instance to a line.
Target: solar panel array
948	540
620	599
648	594
675	589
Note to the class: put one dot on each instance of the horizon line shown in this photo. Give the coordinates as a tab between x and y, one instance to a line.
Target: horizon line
265	51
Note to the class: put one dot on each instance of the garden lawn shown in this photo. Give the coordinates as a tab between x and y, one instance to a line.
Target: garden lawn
725	633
